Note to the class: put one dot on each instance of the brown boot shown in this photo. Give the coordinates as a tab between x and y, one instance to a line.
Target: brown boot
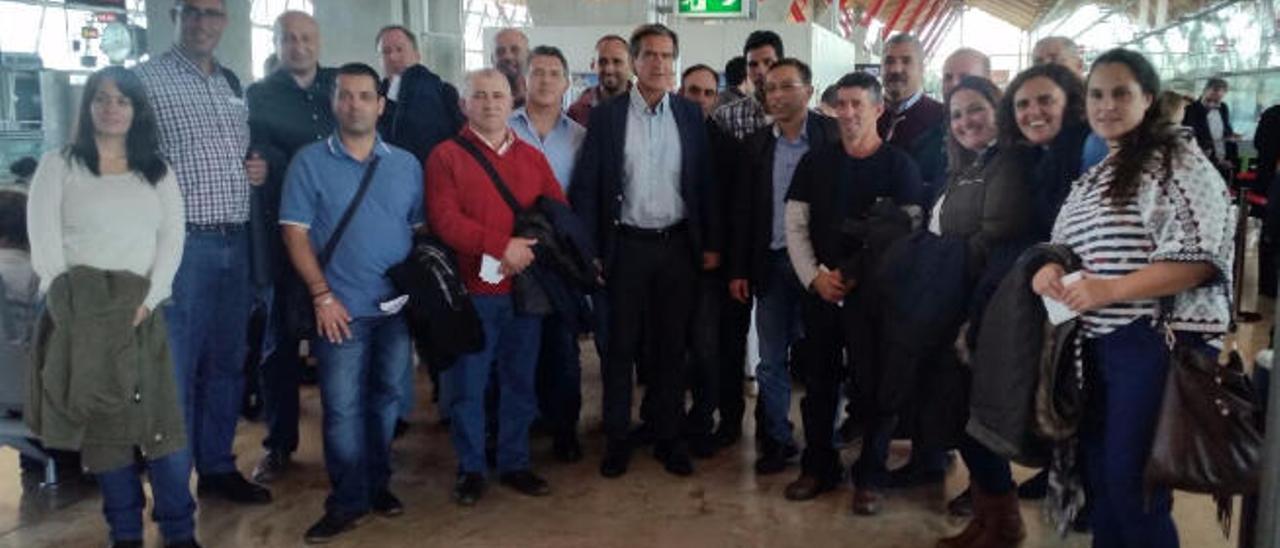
976	524
1002	526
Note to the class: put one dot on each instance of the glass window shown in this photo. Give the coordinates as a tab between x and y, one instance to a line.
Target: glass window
262	16
53	30
481	14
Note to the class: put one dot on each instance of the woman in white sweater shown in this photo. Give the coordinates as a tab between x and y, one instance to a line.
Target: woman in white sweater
110	202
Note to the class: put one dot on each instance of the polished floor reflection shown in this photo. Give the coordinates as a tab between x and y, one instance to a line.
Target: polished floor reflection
723	505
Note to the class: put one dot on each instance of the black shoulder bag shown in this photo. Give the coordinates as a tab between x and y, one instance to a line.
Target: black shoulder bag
529	295
299	312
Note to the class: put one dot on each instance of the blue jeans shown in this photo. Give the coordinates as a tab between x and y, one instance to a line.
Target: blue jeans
1129	370
360	394
511	343
407	394
174	509
208	319
778	326
559	377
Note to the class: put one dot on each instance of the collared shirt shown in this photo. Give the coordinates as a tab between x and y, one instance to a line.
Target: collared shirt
204	133
501	147
321	183
560	146
1217	127
283	118
786	156
580	110
910	102
742	117
651	165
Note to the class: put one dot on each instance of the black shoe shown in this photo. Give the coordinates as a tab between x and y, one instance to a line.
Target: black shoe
127	544
272	466
675	458
911	476
526	483
726	436
402	426
1035	488
774	457
468	489
566	448
962	505
617	456
233	487
330	526
189	543
807	487
703	446
386	505
643	435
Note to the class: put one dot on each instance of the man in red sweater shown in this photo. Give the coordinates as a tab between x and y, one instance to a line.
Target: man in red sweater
468	213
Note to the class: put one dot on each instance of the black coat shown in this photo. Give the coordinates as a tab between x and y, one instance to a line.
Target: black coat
1007	359
596	190
426	111
751	206
1197	118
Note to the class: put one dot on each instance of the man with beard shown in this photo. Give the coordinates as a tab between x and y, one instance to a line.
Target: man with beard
742	117
511	57
613	70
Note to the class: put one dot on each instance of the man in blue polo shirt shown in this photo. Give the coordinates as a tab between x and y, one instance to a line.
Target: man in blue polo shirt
363	344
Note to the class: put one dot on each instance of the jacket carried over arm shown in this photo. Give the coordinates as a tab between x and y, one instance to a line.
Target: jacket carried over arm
98	385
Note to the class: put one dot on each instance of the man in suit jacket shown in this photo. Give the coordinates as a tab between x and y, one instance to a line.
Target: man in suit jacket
422	109
1210	120
643	187
759	264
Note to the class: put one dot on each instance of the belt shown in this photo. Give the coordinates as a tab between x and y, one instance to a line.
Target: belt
219	228
666	233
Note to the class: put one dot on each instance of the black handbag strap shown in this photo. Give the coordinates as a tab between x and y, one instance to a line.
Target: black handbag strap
332	244
493	173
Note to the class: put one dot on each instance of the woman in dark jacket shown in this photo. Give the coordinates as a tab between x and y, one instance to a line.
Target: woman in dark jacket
1041	126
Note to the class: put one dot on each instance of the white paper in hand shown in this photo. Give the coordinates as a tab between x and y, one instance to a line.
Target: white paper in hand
490	270
1059	312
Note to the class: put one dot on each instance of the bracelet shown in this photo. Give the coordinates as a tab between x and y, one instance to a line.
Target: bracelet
320	294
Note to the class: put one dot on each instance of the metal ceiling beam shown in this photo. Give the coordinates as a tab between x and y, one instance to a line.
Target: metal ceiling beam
933	12
872	11
915	15
1182	19
897	13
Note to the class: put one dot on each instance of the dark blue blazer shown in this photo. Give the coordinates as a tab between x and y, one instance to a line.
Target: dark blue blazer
596	190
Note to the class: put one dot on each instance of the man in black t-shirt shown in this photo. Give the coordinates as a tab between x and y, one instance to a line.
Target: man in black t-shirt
870	177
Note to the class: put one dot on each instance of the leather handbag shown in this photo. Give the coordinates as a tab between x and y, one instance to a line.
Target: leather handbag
299	314
1209	436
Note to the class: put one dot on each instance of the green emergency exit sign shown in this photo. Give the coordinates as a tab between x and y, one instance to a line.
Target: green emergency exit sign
713	8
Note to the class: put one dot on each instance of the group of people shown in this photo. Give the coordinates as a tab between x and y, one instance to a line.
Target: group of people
867	235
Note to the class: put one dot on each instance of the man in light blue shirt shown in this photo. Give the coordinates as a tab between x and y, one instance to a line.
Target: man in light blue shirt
651	163
543	123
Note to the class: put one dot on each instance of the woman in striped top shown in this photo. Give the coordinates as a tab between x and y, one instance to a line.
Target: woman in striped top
1152	225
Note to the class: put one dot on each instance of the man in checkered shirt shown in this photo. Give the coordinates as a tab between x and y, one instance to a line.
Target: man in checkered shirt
204	134
744	116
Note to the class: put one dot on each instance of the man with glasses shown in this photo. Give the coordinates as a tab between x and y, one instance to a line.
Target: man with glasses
742	117
759	265
204	133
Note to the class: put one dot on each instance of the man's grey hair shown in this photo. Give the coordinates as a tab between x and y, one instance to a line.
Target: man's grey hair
469	80
986	61
277	28
1066	43
904	38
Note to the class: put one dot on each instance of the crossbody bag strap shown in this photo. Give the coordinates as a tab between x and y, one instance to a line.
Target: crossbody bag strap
498	183
332	244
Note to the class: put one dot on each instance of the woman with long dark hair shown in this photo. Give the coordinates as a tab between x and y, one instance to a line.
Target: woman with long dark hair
106	226
1153	227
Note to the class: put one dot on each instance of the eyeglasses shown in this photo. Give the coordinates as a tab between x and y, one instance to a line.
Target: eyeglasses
787	86
189	13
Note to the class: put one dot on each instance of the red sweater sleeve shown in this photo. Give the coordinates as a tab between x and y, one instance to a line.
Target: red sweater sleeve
465	235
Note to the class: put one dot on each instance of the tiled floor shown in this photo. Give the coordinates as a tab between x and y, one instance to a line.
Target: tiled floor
724	505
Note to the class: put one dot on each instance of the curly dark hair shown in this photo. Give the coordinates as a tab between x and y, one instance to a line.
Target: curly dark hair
1064	78
142	145
1141	144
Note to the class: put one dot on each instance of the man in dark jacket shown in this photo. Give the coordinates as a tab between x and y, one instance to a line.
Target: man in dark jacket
288	109
761	266
912	121
654	225
422	109
1210	120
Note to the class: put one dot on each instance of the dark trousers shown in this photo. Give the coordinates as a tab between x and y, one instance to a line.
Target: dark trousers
987	470
280	375
823	371
704	354
735	323
653	277
1129	369
559	377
